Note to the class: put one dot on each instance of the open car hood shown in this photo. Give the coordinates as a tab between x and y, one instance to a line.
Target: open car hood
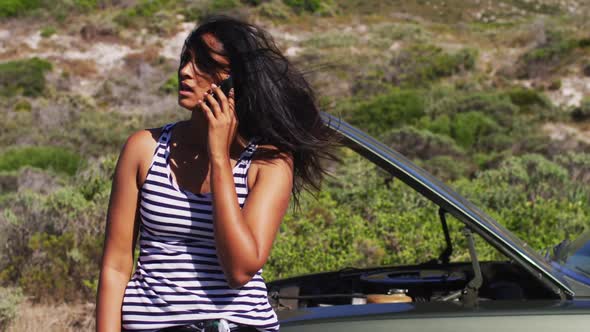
453	203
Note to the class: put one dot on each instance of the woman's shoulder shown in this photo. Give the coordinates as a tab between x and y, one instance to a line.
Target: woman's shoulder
279	157
144	138
142	142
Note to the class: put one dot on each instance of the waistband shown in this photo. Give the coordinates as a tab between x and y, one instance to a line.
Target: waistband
207	325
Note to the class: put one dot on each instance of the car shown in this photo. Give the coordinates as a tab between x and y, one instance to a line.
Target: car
548	292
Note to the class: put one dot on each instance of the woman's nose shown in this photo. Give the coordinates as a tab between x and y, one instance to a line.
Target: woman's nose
187	70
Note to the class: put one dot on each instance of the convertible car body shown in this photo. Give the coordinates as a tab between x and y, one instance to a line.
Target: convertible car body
529	290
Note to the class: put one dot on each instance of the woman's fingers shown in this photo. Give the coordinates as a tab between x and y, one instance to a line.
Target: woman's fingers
213	104
207	111
221	95
231	100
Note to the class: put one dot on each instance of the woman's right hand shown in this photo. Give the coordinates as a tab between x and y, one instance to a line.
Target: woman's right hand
121	232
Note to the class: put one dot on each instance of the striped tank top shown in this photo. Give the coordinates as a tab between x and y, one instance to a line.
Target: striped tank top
178	279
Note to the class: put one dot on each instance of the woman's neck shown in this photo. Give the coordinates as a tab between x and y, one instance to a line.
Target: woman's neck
193	134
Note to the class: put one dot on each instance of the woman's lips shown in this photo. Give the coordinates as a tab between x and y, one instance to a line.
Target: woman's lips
185	92
185	86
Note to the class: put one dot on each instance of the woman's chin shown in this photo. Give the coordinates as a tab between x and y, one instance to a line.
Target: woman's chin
186	103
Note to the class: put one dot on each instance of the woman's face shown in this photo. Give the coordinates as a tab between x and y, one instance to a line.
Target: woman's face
194	83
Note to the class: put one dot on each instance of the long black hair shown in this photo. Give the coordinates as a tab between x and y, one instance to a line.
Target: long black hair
273	100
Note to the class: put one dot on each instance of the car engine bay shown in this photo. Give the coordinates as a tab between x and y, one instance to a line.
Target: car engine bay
408	284
439	280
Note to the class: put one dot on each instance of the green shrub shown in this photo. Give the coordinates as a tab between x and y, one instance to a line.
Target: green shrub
10	299
170	86
420	64
61	267
421	144
22	105
49	158
9	8
96	180
547	57
304	5
529	100
141	12
218	5
362	220
582	112
495	105
578	166
392	109
47	31
53	243
470	128
275	9
333	39
396	31
97	133
530	176
533	197
25	77
439	125
557	46
447	168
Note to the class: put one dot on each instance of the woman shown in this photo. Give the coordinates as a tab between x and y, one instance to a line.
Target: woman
207	195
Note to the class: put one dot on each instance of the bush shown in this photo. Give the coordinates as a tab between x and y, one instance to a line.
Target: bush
389	110
48	158
275	9
547	57
421	144
53	243
582	112
529	100
530	176
495	105
304	5
397	31
333	39
25	77
533	197
363	219
470	129
56	9
420	64
61	267
141	13
95	181
447	168
170	86
10	299
578	166
9	8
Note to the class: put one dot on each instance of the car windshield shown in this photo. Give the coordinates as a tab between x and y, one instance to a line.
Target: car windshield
575	255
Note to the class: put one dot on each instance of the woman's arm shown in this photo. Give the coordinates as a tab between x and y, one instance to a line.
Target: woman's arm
244	237
121	231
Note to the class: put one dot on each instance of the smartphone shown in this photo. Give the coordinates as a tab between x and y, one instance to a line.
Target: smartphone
225	86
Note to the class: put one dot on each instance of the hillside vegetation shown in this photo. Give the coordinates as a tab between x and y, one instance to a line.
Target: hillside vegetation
492	97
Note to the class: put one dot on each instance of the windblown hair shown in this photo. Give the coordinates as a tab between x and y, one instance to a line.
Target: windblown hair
273	100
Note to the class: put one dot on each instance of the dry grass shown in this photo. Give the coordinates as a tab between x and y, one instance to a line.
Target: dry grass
58	318
81	68
150	54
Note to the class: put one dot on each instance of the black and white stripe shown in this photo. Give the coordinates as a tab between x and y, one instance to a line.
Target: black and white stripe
178	278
